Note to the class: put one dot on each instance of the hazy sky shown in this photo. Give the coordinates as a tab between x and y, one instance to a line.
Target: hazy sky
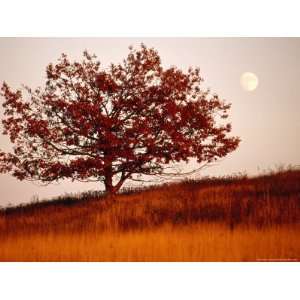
267	119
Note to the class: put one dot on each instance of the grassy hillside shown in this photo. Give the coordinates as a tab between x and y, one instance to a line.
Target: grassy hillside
221	219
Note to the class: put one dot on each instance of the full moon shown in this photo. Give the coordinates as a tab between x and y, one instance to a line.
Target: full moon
249	81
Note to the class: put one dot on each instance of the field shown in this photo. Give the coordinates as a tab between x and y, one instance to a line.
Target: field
217	219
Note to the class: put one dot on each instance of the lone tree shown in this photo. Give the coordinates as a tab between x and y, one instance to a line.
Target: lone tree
111	125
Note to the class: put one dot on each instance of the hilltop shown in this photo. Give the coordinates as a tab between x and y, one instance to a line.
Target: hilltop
221	208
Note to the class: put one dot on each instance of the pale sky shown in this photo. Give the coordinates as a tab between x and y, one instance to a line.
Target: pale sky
266	119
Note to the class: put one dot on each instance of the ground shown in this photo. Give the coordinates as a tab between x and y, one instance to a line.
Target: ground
217	219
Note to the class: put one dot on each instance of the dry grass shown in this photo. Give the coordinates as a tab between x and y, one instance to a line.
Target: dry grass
229	219
197	242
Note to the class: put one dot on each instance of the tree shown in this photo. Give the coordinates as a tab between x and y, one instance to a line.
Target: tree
113	124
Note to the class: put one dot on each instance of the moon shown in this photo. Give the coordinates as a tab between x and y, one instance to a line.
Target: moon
249	81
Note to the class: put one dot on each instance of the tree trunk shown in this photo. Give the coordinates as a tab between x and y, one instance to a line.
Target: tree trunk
110	188
108	182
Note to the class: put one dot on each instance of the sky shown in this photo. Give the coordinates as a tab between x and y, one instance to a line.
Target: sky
266	119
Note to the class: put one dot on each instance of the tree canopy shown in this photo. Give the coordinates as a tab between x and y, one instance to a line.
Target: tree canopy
112	124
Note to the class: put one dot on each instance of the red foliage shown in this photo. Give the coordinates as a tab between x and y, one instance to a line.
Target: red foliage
131	119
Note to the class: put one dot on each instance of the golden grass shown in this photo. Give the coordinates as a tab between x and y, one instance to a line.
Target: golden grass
230	219
198	242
